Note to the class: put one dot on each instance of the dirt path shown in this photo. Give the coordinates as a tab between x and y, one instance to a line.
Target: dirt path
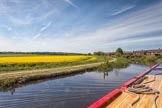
46	70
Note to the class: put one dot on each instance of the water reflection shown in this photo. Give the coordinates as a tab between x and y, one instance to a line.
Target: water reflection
106	74
76	91
12	91
116	72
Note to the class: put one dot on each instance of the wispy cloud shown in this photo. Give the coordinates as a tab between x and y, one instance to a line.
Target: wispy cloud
123	9
28	19
22	12
128	30
42	30
71	3
37	36
45	27
135	24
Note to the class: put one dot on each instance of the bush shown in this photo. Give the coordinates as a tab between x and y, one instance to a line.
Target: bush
151	59
119	63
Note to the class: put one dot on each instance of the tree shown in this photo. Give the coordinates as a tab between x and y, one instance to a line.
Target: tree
119	52
89	54
99	53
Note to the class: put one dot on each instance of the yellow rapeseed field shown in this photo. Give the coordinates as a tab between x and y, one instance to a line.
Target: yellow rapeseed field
40	59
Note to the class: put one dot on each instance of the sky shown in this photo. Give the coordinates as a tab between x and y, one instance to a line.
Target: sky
80	26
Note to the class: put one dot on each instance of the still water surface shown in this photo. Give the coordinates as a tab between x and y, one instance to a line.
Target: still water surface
77	91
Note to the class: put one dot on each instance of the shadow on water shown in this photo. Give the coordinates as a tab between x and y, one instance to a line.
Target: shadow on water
73	91
12	89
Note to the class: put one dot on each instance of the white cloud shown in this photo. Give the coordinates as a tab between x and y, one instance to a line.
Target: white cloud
37	36
26	13
71	3
123	9
137	23
45	27
28	19
138	41
41	30
119	33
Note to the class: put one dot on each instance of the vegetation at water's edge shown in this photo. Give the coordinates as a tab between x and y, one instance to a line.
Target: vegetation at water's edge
147	60
120	62
11	80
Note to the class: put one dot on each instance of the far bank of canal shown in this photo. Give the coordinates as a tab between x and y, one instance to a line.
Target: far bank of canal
77	91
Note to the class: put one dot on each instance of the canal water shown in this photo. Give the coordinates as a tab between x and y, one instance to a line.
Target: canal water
76	91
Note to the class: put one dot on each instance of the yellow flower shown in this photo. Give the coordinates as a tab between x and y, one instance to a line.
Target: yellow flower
45	59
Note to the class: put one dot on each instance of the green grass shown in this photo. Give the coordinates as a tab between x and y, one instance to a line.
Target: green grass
147	60
120	62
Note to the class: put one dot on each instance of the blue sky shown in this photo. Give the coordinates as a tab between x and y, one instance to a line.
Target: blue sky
80	25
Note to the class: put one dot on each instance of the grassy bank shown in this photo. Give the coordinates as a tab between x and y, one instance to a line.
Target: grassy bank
11	79
147	60
120	62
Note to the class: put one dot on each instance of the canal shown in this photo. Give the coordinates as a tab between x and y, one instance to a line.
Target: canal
75	91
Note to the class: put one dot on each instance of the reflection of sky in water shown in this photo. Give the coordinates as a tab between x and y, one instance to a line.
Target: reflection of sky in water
153	72
73	92
160	66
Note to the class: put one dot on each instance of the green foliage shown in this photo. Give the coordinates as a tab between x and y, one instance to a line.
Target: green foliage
107	58
120	62
119	52
147	60
99	53
7	82
105	67
151	59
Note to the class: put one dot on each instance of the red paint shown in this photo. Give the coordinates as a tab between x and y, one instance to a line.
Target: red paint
125	85
109	97
157	69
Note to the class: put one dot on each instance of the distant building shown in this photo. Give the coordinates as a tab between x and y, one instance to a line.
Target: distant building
140	53
144	53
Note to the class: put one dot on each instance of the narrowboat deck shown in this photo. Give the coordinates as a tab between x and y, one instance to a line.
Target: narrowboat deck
125	99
